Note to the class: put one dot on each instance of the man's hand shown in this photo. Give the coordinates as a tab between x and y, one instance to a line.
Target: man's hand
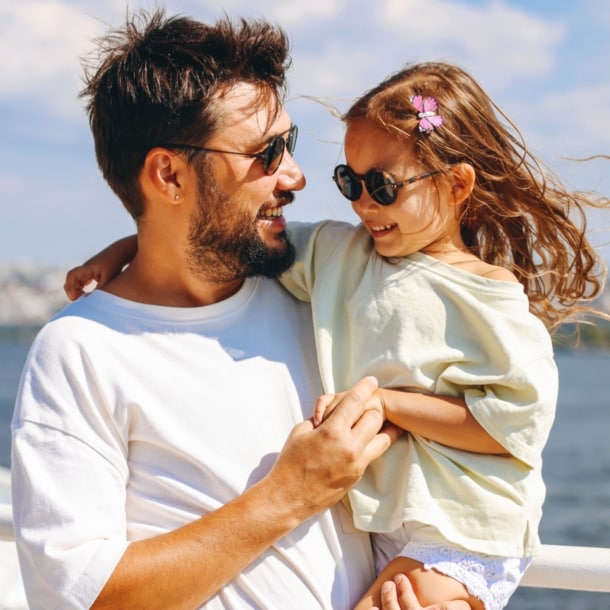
399	595
327	403
318	465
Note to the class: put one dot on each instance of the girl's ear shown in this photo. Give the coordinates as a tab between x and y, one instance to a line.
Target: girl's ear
463	177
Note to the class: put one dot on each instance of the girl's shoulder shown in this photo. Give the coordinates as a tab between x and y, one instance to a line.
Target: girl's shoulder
466	261
492	272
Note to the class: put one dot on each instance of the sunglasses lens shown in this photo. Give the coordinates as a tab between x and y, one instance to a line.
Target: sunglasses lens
347	182
380	186
274	155
291	140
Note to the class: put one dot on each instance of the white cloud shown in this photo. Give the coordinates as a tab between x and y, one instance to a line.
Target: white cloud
295	13
41	43
12	186
543	64
502	40
577	120
288	13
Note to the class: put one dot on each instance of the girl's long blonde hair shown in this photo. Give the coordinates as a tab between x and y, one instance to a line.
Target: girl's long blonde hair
519	215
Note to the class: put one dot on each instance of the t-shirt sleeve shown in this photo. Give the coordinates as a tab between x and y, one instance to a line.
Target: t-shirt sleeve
314	244
509	377
518	411
70	535
298	280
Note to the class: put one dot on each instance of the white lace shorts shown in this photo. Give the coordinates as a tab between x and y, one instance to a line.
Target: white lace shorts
489	578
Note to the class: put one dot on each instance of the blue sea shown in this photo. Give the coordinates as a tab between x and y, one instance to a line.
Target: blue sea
576	464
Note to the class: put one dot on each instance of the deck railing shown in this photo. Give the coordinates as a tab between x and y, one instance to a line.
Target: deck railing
557	567
6	522
579	568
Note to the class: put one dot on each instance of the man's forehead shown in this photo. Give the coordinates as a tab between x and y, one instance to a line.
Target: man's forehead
245	106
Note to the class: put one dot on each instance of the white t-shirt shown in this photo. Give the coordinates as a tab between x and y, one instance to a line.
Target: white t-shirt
422	325
133	420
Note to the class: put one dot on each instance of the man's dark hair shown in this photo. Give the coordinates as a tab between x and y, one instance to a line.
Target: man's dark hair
156	79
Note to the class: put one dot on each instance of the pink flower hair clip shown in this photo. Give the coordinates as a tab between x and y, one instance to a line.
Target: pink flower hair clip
427	114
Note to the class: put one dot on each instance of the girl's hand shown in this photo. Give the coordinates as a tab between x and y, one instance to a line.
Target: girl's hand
100	268
82	279
326	404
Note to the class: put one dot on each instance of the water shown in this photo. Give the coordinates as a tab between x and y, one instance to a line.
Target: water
12	357
577	474
576	464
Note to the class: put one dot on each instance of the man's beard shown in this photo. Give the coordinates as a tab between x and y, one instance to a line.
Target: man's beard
224	243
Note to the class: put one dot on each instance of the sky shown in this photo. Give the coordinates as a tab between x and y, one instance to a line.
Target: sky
544	62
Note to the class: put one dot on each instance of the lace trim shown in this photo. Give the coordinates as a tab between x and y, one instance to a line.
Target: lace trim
491	579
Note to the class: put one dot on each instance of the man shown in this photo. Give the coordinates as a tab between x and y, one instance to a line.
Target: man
150	462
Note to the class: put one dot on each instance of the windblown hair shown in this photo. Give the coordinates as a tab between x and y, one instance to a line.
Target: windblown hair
157	79
519	215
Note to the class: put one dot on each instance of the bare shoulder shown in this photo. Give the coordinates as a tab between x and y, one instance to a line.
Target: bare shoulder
494	272
467	261
479	267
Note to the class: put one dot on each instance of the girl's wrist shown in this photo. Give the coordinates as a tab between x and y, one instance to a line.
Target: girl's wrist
381	401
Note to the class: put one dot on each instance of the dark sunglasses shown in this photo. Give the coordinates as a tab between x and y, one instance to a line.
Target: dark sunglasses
271	156
379	184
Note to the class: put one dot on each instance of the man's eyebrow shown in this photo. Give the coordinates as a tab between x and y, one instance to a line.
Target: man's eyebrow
281	133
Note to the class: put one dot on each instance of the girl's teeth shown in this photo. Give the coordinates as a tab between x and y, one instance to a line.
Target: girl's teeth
381	228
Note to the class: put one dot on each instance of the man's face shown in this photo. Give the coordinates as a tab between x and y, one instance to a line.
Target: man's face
238	229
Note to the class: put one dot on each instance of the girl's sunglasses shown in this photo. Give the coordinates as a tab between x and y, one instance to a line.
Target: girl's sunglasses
271	156
380	185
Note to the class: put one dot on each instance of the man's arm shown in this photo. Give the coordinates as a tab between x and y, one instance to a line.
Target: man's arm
185	567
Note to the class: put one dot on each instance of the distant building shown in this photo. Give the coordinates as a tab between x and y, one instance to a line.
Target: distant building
30	294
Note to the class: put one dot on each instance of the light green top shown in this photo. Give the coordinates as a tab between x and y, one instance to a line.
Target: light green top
420	324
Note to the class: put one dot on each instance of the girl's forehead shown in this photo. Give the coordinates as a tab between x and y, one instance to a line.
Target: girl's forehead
369	146
362	128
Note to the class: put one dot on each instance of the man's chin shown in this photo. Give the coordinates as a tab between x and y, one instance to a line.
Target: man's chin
278	258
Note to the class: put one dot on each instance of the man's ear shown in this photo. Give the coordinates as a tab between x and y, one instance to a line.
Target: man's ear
163	174
463	177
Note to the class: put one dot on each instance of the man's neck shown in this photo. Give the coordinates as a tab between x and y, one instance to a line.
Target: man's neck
170	287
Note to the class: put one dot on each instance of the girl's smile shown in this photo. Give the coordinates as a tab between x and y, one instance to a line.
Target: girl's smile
424	217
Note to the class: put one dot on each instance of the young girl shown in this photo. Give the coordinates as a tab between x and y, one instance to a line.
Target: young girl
466	251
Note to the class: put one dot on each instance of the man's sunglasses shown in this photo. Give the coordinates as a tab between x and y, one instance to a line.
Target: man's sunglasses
271	156
379	184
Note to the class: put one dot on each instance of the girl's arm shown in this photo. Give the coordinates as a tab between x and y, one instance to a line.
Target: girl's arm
443	419
101	267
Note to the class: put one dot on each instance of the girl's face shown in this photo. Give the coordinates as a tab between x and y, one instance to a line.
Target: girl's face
423	217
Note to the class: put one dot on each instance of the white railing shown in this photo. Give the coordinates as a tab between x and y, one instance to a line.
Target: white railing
6	522
580	568
6	512
557	567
